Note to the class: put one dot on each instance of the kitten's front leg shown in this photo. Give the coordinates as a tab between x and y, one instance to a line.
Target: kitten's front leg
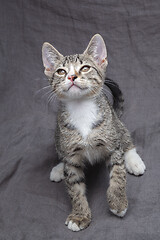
116	193
80	217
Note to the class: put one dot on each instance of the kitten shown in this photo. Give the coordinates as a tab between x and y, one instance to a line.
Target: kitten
88	129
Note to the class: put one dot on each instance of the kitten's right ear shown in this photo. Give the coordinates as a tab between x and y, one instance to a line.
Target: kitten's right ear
50	57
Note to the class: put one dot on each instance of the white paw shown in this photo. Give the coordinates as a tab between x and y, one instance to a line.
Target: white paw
57	173
134	163
73	226
119	214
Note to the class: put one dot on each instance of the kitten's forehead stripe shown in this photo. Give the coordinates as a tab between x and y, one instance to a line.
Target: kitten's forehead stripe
71	59
78	57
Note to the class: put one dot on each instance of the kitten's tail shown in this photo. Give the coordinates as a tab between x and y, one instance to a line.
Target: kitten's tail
118	99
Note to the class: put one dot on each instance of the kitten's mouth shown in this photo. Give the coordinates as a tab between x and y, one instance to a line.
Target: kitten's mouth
73	86
76	87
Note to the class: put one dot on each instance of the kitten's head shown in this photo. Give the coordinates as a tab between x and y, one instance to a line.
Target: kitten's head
76	76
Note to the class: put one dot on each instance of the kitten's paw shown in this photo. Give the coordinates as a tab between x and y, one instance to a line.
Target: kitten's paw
117	200
119	214
57	173
77	223
73	226
134	163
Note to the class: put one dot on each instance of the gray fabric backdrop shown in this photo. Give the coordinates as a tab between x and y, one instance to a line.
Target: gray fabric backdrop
32	207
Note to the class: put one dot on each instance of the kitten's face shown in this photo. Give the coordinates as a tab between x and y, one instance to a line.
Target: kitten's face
76	76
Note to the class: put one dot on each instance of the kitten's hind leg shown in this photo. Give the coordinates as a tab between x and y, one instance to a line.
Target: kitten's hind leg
116	193
57	173
134	163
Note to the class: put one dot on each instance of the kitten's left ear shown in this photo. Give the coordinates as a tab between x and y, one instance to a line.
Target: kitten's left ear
50	57
97	50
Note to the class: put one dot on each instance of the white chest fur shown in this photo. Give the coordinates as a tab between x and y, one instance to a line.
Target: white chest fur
83	115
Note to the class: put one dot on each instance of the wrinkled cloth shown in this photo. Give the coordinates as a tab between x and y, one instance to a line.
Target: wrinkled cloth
32	207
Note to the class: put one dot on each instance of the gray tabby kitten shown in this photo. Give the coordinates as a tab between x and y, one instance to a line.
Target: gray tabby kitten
88	129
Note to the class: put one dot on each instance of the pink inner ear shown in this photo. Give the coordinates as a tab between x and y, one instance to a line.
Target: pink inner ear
101	51
47	61
48	57
97	49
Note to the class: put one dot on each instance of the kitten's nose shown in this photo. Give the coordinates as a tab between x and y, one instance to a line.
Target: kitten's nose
72	77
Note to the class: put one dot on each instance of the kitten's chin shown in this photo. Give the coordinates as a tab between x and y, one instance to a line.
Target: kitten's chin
73	94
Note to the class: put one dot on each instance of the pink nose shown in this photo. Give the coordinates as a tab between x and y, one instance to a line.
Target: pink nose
72	77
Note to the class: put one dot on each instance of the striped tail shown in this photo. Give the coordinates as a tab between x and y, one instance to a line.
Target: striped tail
118	99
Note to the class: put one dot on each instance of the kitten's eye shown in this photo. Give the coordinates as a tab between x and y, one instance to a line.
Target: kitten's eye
85	69
61	72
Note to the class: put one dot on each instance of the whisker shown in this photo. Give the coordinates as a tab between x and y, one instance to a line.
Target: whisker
46	87
106	91
52	93
47	93
41	79
48	99
53	97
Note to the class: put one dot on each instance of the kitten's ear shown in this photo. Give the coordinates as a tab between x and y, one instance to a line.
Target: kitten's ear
50	57
97	50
